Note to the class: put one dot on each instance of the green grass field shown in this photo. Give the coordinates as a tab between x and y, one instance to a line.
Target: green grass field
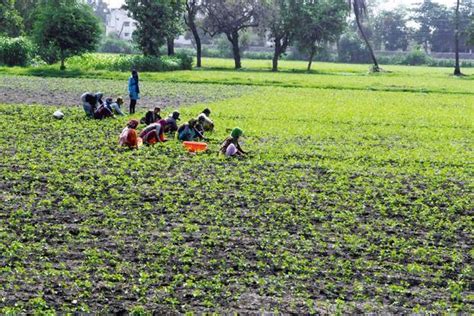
356	196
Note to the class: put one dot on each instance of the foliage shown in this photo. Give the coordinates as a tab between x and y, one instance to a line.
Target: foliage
281	21
157	20
11	23
391	29
15	51
351	50
436	26
66	27
319	22
224	47
112	44
129	62
416	57
26	9
101	9
230	17
471	32
358	205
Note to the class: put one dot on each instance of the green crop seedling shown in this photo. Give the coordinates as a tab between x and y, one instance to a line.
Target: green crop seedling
356	195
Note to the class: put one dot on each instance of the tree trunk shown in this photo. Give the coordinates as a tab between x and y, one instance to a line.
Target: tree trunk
170	44
276	54
189	20
372	55
311	56
457	67
62	67
197	39
234	39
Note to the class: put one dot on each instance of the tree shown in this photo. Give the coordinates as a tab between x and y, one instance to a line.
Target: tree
229	17
360	11
470	32
11	23
66	27
26	9
320	21
193	7
156	23
101	9
457	67
392	30
429	16
174	25
282	23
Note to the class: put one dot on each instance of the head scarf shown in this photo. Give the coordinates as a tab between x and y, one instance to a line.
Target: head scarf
236	132
133	123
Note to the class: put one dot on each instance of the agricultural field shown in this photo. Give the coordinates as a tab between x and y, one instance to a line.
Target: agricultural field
356	194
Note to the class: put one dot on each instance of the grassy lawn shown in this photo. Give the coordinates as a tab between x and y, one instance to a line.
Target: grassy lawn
356	196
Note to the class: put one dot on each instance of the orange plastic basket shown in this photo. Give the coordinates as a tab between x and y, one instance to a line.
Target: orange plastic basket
195	146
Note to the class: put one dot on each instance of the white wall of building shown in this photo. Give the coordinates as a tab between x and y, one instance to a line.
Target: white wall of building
120	23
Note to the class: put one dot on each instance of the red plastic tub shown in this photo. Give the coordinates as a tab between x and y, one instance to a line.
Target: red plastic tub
195	146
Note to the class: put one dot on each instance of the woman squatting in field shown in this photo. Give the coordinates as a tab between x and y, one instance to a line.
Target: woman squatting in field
129	137
90	102
230	146
154	133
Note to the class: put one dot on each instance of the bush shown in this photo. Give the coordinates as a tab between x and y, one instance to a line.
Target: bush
111	62
116	46
415	58
258	55
351	50
17	51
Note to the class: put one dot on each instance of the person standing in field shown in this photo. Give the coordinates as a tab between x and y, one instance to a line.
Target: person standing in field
129	137
133	90
230	147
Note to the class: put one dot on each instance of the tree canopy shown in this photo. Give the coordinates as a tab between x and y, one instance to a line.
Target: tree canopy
11	22
157	21
320	21
66	27
229	17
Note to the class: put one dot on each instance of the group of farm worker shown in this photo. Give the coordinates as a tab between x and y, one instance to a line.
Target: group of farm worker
156	128
98	109
155	125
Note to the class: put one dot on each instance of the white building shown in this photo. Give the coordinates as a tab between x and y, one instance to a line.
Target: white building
118	22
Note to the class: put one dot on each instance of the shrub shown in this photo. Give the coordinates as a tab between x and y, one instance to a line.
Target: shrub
351	50
15	51
116	46
111	62
416	57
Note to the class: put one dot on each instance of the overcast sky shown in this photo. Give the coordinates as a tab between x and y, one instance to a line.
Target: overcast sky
387	3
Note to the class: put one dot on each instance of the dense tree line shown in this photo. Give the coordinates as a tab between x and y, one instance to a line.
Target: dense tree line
307	25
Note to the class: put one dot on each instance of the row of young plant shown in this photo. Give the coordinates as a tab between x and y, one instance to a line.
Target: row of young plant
360	206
